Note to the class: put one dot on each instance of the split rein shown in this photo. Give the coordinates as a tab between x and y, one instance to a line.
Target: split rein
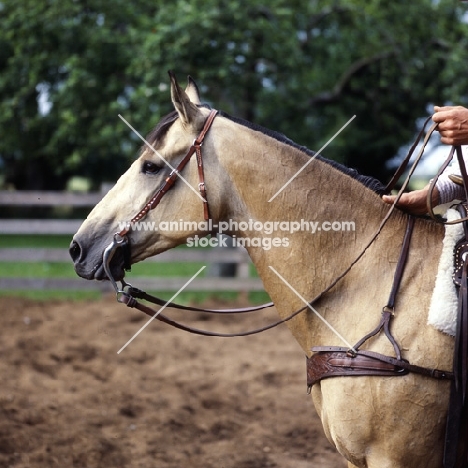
129	295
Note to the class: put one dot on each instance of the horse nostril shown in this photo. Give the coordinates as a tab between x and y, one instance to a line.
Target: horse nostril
75	251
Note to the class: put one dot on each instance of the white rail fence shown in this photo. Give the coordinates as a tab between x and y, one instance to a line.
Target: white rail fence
241	282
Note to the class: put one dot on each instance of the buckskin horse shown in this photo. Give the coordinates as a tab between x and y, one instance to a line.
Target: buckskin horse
373	421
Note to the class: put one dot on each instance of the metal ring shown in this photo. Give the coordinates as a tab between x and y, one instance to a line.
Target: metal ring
125	286
119	295
118	239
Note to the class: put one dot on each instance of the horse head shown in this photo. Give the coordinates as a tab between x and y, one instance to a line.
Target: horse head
128	207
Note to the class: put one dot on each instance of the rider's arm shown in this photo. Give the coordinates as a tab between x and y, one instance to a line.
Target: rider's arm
448	191
453	128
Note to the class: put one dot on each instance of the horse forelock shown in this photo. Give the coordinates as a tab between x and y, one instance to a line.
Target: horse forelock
162	127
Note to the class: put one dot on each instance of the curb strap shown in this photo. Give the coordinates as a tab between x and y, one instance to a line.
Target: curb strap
333	361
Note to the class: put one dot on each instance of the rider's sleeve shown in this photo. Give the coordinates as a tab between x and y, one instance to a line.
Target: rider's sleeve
449	191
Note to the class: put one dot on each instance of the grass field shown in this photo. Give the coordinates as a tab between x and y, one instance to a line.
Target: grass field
65	270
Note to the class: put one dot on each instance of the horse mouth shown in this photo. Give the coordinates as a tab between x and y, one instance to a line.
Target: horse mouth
98	272
91	267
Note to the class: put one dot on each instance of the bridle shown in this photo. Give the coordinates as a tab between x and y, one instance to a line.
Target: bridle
120	239
127	294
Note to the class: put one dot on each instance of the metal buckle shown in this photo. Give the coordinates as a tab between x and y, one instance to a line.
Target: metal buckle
388	310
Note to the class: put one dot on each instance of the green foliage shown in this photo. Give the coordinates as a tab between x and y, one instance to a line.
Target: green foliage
74	55
301	68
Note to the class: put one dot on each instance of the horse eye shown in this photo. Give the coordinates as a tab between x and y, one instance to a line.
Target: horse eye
150	168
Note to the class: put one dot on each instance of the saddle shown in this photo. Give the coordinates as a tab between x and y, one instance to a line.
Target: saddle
456	438
456	179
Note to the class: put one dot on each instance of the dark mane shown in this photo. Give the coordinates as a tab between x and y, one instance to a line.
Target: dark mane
370	182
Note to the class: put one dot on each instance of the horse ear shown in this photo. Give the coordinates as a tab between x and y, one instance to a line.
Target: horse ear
192	91
187	110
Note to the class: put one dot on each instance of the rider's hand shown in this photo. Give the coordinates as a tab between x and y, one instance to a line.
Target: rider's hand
414	202
453	124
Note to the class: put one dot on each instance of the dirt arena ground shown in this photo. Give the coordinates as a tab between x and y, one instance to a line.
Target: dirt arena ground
167	400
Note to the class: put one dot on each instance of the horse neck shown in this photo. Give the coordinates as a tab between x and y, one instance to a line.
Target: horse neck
258	167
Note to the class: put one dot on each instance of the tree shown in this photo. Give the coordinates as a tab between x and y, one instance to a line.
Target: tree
63	81
301	68
306	68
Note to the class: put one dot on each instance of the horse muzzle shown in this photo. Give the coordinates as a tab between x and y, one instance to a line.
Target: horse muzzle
100	262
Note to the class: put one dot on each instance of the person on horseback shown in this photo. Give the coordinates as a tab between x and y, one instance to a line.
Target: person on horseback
453	129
